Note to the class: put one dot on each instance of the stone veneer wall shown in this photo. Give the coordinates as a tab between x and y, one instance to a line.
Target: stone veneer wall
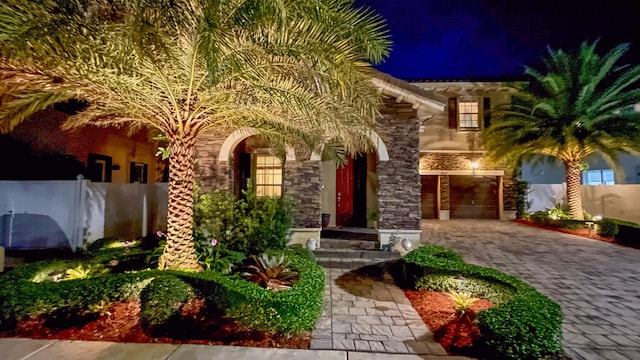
399	179
303	184
302	179
509	194
460	161
211	174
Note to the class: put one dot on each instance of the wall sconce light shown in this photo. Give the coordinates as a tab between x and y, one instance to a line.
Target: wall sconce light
474	165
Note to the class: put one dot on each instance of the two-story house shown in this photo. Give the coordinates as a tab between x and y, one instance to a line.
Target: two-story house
427	164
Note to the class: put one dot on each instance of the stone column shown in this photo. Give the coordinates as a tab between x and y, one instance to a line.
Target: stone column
303	184
211	173
399	179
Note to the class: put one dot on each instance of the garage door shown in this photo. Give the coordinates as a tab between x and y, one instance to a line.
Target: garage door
473	197
429	196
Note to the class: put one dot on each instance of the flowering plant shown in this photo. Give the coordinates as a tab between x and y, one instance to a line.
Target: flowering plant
214	257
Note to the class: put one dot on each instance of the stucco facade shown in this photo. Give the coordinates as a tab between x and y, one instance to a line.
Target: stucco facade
457	182
101	154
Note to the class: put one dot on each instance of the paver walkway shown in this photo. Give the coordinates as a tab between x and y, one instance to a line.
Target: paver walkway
596	283
365	311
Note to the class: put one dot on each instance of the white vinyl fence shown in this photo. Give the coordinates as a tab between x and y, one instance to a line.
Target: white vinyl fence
612	201
49	214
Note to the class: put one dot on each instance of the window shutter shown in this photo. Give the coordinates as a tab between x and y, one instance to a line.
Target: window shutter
486	109
453	113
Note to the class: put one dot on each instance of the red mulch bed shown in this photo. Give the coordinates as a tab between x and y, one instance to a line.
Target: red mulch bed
121	323
455	333
586	233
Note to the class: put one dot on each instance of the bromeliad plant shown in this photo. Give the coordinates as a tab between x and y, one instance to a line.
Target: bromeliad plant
463	301
271	272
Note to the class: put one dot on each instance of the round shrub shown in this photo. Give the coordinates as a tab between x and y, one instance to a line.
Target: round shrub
161	300
607	228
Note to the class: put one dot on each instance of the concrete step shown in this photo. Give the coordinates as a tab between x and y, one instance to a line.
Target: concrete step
324	253
350	264
329	243
350	233
352	259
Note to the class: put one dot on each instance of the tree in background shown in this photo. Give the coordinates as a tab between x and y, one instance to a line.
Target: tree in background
296	70
581	103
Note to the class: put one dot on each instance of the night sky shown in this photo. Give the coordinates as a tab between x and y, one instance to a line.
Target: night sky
484	39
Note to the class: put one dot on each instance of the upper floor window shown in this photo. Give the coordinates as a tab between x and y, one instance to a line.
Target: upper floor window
468	114
268	175
598	177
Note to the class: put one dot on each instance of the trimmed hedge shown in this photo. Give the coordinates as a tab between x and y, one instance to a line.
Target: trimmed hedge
607	227
160	299
542	218
20	297
525	324
289	311
628	232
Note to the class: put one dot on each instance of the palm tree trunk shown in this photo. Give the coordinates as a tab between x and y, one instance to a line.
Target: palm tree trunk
179	252
574	196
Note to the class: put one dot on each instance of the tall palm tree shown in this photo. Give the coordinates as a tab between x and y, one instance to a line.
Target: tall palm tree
296	70
577	106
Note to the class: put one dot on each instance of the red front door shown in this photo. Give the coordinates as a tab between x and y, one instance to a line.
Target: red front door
344	194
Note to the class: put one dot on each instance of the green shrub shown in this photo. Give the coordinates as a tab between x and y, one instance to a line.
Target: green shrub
109	243
303	253
21	296
551	218
102	243
555	217
540	217
425	254
250	225
217	258
568	224
628	232
524	325
557	212
161	300
607	227
290	311
527	327
520	188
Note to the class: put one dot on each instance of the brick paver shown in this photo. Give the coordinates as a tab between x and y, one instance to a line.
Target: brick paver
365	311
596	283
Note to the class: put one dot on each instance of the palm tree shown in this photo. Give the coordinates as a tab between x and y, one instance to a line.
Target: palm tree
296	70
577	106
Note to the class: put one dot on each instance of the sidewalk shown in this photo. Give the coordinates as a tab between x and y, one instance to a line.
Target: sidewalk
28	349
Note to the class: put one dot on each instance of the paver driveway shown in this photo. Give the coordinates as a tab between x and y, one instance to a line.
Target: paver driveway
596	283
